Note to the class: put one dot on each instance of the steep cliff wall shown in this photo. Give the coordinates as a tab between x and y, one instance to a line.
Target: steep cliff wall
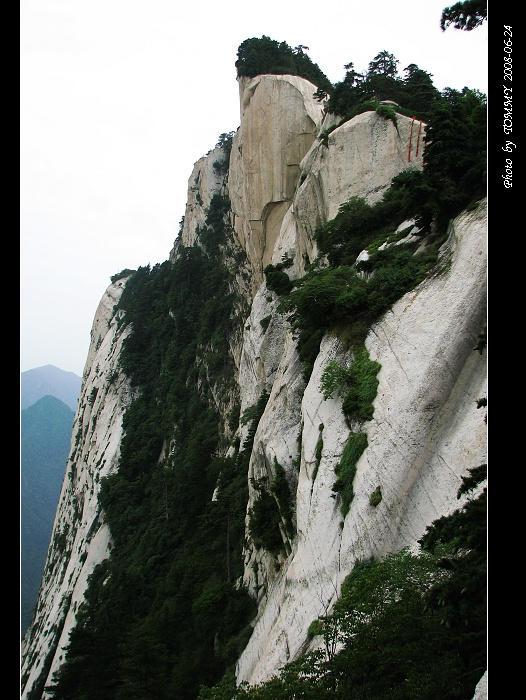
280	121
425	434
426	431
80	539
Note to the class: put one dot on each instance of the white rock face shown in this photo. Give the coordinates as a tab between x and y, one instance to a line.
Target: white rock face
481	691
425	434
203	183
361	158
80	540
280	120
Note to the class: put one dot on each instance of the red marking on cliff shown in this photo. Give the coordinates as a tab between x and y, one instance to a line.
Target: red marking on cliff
410	140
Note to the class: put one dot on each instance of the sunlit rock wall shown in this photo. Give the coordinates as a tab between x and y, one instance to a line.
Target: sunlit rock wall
280	121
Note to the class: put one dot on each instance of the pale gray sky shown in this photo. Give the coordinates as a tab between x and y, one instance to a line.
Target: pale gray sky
119	99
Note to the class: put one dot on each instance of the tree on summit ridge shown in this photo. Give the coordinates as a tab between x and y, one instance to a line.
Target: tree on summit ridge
382	77
267	56
383	63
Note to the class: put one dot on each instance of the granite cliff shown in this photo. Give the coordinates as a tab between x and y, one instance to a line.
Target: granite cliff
427	431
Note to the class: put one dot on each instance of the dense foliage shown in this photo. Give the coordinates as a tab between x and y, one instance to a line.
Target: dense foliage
414	93
267	56
410	627
164	613
341	297
272	512
455	156
277	279
224	142
466	15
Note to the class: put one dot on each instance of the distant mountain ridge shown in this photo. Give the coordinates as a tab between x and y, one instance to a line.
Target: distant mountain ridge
41	381
48	403
45	442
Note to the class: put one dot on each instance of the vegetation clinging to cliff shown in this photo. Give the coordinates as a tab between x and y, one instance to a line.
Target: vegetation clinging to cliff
267	56
414	94
348	296
410	626
341	299
149	625
165	612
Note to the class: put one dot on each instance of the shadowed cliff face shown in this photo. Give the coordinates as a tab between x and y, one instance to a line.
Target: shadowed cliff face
426	431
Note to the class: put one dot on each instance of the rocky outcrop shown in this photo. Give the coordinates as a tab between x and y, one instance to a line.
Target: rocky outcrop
357	159
291	168
280	121
205	181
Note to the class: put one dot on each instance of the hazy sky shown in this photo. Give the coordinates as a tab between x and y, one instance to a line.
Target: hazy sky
119	99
